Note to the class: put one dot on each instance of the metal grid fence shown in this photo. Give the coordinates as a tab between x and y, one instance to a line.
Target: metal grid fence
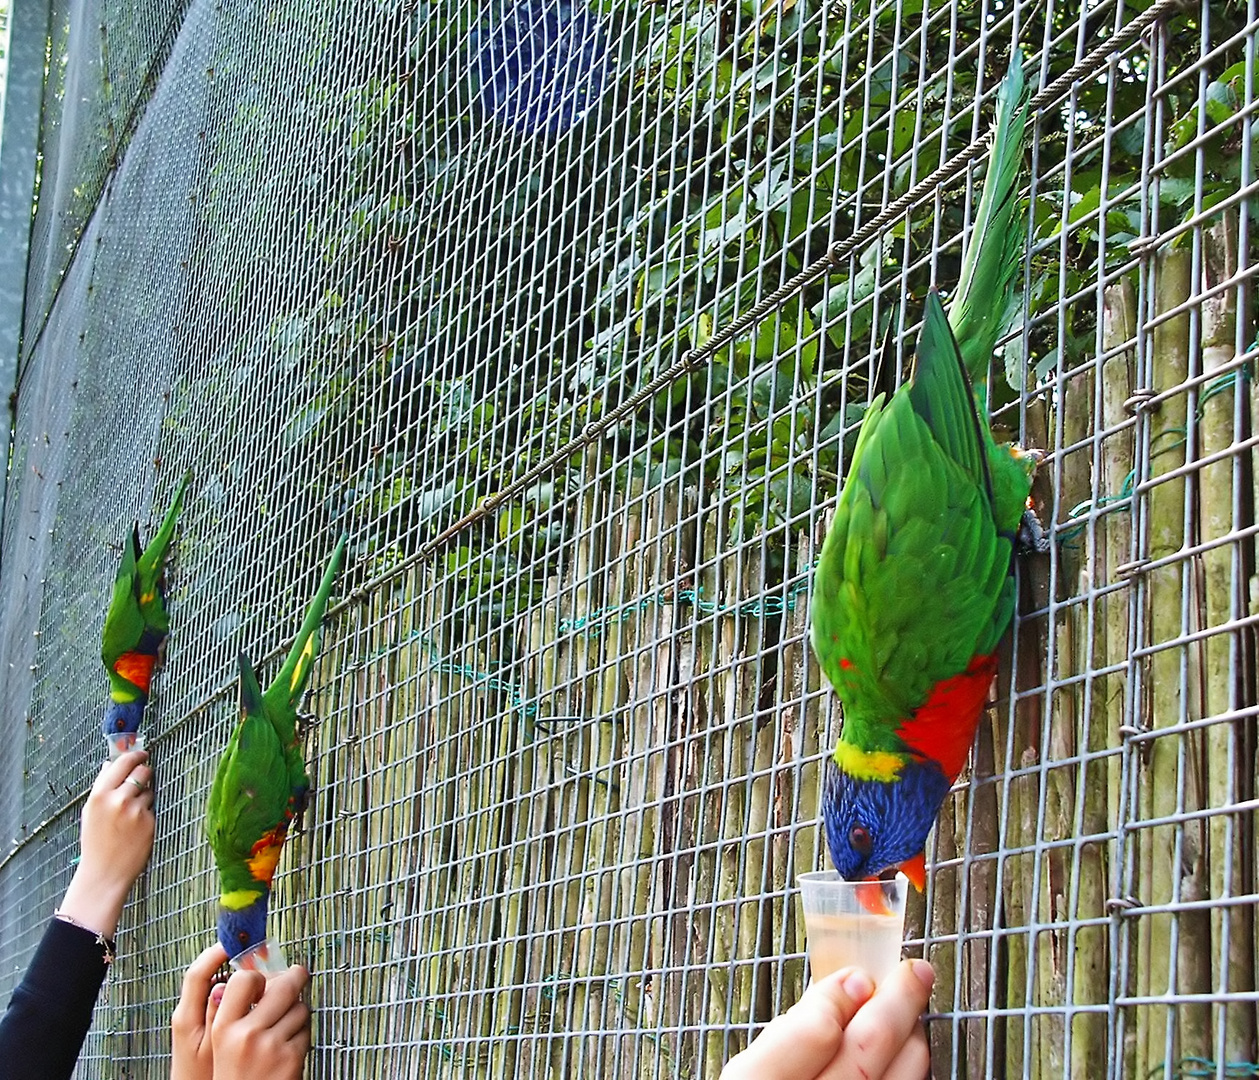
567	315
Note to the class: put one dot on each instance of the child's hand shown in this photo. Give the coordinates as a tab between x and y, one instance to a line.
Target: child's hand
192	1056
837	1031
115	842
261	1028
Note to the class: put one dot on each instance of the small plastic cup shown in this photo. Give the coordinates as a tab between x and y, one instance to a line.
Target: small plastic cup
120	743
267	956
858	923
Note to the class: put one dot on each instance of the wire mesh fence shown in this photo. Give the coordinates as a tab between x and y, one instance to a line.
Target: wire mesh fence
568	315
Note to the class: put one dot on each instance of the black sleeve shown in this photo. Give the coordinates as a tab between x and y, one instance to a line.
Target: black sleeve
43	1029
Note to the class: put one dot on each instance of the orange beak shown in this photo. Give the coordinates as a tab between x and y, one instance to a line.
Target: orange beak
870	895
916	870
870	891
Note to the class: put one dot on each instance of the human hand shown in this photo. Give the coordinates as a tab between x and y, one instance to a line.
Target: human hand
192	1055
115	842
261	1027
837	1030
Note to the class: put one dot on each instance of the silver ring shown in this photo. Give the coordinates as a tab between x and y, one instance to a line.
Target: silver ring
139	786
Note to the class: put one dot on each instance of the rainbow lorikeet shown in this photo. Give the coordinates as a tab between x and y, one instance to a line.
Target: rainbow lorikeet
261	783
136	625
915	588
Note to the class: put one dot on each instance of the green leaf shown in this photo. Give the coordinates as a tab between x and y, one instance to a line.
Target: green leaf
1176	191
771	189
1046	364
510	521
1221	102
1084	205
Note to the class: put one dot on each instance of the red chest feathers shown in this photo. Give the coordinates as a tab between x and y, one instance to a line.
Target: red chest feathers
943	727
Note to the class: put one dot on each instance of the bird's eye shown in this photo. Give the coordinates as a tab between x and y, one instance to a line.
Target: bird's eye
860	839
243	937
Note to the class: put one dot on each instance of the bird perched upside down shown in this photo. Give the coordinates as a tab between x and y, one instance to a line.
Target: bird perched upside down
136	626
915	588
261	784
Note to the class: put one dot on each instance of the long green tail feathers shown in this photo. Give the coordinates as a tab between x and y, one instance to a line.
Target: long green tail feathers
289	685
125	579
250	691
151	559
998	239
151	562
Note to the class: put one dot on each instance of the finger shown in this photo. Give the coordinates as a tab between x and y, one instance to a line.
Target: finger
201	972
914	1060
810	1033
879	1030
116	772
190	1012
138	784
301	1041
282	994
292	1022
244	990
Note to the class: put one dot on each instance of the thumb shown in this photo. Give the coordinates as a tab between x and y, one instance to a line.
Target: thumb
842	993
810	1033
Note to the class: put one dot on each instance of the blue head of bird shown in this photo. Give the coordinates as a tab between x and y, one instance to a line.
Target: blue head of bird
241	928
878	826
123	716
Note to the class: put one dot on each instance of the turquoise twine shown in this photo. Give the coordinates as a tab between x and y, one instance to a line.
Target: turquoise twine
487	679
592	627
1224	382
1199	1068
763	606
464	671
1065	536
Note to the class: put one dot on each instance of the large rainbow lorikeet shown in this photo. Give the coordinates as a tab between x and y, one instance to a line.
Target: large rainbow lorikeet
261	783
136	626
914	587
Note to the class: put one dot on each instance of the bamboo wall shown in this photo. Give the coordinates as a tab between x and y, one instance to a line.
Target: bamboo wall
582	393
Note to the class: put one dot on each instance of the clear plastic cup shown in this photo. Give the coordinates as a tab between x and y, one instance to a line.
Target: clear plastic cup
267	956
859	923
119	744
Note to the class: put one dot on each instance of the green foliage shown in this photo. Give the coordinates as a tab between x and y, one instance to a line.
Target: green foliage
736	144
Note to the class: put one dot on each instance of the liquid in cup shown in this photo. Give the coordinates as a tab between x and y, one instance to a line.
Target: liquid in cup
842	930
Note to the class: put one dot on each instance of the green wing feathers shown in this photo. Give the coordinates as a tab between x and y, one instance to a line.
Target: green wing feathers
913	574
248	799
123	622
994	253
137	603
136	606
285	692
941	395
914	582
261	782
985	290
